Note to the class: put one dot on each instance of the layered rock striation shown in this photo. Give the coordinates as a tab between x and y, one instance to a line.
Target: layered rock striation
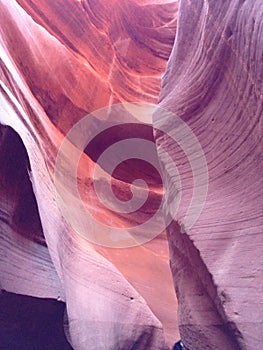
214	83
60	61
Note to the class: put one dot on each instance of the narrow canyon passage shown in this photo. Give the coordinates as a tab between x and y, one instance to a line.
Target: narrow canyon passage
131	174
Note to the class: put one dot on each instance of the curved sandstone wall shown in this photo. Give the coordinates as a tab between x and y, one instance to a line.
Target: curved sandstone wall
63	59
214	82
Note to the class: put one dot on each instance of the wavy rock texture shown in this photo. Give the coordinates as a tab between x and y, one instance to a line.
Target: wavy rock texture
59	61
214	82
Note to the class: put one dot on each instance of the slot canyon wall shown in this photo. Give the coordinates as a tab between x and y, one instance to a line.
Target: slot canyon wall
214	82
63	60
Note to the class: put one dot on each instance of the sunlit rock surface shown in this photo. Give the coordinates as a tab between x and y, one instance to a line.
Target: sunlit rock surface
214	82
59	61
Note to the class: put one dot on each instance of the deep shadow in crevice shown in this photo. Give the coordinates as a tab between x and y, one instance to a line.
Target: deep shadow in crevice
29	323
18	206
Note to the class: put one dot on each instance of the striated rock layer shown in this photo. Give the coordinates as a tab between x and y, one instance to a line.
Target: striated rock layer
214	82
61	60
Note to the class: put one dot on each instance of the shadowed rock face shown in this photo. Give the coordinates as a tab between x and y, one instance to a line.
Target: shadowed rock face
214	82
31	323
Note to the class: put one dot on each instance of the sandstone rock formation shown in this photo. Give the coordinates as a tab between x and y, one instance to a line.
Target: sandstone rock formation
214	82
59	61
62	61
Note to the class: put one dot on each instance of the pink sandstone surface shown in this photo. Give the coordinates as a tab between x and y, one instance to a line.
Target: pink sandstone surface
214	82
63	59
57	66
